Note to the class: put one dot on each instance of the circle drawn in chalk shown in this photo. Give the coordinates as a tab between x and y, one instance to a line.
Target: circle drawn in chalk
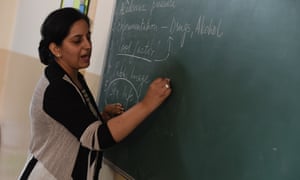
123	91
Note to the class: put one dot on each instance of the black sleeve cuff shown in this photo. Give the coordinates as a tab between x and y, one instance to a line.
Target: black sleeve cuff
105	138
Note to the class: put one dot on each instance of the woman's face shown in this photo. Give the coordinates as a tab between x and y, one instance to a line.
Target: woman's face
76	48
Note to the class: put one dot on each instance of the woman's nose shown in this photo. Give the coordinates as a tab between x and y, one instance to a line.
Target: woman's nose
87	43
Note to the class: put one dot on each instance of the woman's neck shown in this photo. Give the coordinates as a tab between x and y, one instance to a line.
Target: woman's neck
72	73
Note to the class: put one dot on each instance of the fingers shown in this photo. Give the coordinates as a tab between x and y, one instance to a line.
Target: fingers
119	109
162	82
114	109
165	84
161	87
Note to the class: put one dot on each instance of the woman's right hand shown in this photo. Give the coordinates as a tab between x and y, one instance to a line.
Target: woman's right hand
157	93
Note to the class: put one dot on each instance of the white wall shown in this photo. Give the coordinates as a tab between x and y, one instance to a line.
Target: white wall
7	21
31	13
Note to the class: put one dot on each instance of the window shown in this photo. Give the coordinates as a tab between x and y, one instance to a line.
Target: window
81	5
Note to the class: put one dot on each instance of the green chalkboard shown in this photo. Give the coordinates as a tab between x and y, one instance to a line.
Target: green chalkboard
234	113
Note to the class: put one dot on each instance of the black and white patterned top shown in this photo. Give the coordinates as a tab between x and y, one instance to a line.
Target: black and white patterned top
68	135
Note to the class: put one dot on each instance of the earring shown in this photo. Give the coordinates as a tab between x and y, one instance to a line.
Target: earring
59	55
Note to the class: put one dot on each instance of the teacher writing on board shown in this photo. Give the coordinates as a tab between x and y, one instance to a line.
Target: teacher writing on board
68	133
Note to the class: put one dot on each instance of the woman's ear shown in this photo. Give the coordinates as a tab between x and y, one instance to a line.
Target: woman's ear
55	50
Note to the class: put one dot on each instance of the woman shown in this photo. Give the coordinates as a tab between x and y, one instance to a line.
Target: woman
68	133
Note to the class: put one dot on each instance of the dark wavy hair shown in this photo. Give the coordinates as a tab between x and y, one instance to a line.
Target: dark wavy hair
55	28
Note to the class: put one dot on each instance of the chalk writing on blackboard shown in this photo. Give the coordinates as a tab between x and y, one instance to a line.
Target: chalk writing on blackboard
132	83
137	50
149	41
147	51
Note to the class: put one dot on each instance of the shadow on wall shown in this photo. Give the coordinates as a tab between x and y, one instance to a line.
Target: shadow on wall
18	76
